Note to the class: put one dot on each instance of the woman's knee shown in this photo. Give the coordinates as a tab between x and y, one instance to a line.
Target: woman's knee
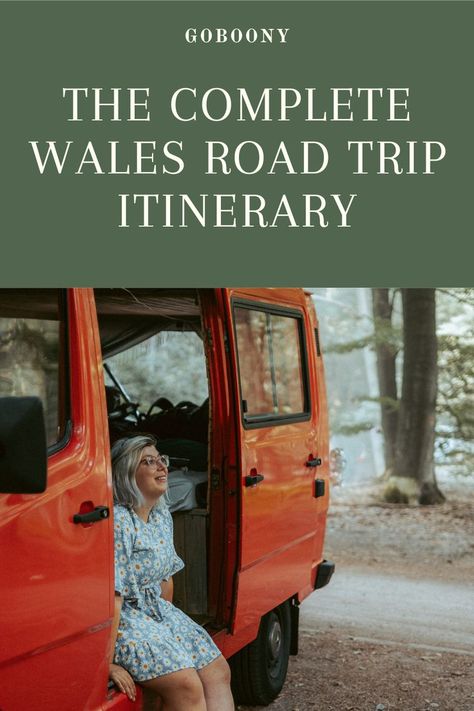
224	670
217	672
185	685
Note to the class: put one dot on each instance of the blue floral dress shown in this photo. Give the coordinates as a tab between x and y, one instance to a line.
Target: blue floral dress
154	637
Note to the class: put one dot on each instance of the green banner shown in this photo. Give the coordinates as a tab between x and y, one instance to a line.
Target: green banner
267	143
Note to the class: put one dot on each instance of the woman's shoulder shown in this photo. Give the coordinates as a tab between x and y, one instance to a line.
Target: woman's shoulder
122	517
160	514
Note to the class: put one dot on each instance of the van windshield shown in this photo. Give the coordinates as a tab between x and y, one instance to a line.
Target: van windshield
170	365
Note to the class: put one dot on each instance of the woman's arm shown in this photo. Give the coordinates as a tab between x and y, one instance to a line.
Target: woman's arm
115	626
119	675
167	589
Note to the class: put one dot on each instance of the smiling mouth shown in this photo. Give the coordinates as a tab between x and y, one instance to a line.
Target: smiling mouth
161	478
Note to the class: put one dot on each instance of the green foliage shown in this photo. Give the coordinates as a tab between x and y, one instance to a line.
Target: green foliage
389	335
455	427
391	404
385	334
349	346
354	429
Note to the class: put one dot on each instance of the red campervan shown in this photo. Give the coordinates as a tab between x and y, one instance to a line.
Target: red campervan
231	382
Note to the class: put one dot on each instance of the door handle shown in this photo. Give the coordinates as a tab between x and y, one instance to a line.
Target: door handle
97	514
253	479
314	462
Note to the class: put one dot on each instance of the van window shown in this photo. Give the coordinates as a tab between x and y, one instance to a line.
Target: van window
32	352
272	365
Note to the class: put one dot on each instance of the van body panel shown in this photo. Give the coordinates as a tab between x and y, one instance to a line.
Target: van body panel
322	434
56	607
60	676
222	460
269	582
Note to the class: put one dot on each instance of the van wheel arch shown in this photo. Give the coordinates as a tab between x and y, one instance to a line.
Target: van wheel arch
259	669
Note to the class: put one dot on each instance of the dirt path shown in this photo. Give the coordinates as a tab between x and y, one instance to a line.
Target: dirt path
429	614
394	630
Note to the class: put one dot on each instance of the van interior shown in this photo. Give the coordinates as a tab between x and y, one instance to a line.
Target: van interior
156	382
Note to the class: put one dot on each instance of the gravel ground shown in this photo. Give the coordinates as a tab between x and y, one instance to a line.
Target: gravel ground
335	671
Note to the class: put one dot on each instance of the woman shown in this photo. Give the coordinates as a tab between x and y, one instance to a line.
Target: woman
157	645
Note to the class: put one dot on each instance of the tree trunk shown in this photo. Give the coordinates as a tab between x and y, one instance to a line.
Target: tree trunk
386	354
413	478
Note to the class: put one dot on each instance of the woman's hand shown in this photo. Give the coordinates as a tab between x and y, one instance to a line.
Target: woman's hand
123	681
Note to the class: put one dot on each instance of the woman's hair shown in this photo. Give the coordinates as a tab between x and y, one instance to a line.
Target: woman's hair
126	455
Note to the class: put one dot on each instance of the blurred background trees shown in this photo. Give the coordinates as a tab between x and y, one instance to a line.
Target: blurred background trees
400	371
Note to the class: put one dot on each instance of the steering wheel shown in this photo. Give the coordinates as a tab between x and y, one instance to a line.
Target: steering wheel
124	410
186	406
163	403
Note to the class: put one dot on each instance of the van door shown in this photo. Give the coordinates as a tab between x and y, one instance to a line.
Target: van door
270	343
56	587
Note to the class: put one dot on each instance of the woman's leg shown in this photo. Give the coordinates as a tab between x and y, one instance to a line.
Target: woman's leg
178	690
151	701
215	678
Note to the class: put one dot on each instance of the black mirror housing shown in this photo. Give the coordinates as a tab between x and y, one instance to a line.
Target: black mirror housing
23	447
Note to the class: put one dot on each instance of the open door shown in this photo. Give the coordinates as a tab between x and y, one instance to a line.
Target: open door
272	350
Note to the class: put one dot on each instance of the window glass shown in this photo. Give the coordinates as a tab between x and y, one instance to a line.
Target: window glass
270	363
169	364
31	352
287	364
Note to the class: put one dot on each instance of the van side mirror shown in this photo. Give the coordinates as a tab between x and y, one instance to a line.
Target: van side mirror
23	449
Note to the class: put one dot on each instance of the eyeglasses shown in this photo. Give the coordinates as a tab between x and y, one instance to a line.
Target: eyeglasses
160	462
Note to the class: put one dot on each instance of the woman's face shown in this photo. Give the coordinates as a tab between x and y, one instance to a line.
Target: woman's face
151	475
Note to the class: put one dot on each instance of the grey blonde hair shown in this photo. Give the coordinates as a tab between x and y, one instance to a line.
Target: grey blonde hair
126	454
